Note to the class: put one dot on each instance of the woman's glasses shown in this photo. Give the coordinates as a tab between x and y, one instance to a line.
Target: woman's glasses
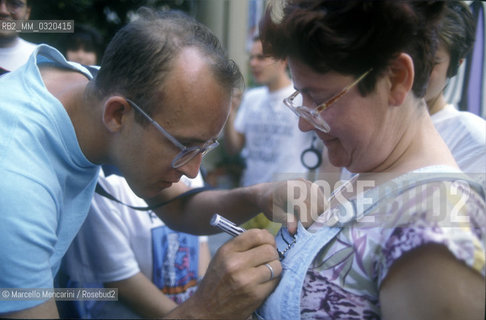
313	115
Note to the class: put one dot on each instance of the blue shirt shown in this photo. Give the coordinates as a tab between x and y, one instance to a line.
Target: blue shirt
46	182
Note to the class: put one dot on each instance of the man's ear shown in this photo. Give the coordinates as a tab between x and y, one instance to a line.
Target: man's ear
115	109
401	74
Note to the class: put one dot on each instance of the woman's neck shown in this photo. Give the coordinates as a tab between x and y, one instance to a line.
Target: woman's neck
419	144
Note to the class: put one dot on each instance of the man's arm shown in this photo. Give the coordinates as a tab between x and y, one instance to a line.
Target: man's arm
284	202
192	215
47	310
430	283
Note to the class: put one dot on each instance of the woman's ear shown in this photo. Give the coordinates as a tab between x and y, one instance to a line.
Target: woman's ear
401	74
115	109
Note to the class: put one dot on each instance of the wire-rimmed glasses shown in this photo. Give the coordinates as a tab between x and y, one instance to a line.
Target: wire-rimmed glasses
313	115
187	153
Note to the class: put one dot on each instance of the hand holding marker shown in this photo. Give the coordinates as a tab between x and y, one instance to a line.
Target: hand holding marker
231	228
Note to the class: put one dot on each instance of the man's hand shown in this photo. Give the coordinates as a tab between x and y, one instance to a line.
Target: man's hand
289	201
237	280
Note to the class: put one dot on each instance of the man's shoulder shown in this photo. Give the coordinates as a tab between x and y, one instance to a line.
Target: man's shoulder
45	54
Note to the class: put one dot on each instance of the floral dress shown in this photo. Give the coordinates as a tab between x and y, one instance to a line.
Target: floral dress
334	269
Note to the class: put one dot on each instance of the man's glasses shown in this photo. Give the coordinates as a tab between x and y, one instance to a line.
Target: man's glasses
313	115
187	153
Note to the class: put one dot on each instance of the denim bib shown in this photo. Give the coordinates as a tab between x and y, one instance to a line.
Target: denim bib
284	302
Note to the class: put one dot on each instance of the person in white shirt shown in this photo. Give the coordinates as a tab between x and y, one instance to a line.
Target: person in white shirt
154	267
262	128
463	132
265	131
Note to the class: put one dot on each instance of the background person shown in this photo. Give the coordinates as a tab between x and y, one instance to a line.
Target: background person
465	90
264	131
84	46
378	251
14	51
463	132
263	128
153	267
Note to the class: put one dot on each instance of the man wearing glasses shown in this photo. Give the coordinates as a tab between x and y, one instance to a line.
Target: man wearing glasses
14	51
157	104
